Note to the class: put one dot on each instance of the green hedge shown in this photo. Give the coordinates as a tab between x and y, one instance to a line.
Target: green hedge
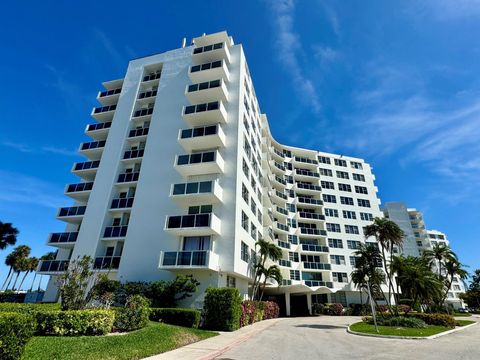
222	309
134	315
182	317
30	309
436	319
15	330
75	322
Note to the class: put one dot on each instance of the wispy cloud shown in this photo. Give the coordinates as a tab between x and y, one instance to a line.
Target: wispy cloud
60	151
18	188
113	54
288	45
40	150
445	10
18	146
325	54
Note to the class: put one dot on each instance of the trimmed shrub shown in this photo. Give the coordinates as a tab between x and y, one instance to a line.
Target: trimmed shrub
360	309
401	321
75	322
317	309
333	309
181	317
222	308
404	308
382	308
15	330
436	319
248	313
271	310
259	311
134	315
30	309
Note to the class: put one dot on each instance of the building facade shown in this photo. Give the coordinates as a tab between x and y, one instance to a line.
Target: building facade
183	176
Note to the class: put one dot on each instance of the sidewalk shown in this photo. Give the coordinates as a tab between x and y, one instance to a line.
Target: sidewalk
215	346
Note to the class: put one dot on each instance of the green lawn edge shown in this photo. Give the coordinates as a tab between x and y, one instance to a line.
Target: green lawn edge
464	322
365	328
154	339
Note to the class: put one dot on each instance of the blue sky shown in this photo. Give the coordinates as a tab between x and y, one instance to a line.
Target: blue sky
396	83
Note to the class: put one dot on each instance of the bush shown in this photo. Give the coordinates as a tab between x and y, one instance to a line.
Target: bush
248	313
271	310
75	322
404	308
222	309
360	309
318	309
15	330
181	317
436	319
382	308
134	315
11	296
30	309
401	321
333	309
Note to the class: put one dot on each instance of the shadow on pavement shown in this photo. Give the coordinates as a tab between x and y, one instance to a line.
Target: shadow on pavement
324	327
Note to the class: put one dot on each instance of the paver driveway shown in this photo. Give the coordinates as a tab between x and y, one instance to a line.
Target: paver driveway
325	337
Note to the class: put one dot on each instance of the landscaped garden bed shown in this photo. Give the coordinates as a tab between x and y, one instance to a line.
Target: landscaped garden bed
429	330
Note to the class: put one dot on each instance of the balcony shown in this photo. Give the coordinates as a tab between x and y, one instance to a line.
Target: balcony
109	97
211	52
195	193
80	191
65	238
104	113
317	283
283	244
139	133
147	94
142	114
73	214
285	263
313	232
210	162
302	174
152	77
128	177
308	202
277	154
191	225
133	154
119	231
201	259
210	113
122	203
209	71
199	138
106	263
280	212
315	248
310	217
86	170
316	266
308	188
279	197
98	131
93	150
207	91
52	267
282	227
304	160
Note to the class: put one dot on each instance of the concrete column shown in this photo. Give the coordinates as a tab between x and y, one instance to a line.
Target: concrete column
309	303
287	303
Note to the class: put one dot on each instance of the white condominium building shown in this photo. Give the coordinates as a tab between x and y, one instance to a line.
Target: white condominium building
182	176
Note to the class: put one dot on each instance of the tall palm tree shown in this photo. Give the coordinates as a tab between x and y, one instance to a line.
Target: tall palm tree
30	266
438	256
9	261
8	235
388	235
267	250
21	254
273	272
453	268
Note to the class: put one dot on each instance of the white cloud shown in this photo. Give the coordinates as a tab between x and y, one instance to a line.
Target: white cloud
42	150
325	54
289	47
448	9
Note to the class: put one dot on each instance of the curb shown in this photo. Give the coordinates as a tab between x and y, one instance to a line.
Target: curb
431	337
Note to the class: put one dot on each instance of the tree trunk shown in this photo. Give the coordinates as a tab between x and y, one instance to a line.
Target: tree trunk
10	280
23	279
6	279
15	282
33	281
387	273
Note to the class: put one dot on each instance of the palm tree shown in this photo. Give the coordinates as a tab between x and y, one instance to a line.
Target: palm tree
388	235
438	256
31	266
267	250
273	272
21	254
397	266
8	235
9	261
453	268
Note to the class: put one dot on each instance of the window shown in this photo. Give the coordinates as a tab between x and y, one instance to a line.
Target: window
351	229
363	203
344	187
245	168
333	227
253	206
456	287
324	160
337	259
245	221
340	277
329	198
293	256
353	261
361	190
342	175
340	162
335	243
294	275
356	165
253	232
358	177
293	239
344	200
326	172
260	217
366	216
327	185
203	209
231	281
349	215
244	254
245	194
331	212
352	244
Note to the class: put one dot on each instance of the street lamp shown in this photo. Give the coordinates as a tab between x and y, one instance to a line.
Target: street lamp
371	303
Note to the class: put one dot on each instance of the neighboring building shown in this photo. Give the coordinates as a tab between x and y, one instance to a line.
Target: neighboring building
182	176
418	239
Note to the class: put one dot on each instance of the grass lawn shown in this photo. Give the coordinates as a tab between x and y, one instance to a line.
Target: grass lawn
398	331
153	339
462	314
464	322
